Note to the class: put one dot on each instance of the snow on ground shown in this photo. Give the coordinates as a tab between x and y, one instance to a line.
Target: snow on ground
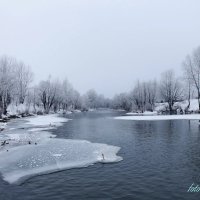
14	109
67	112
46	120
27	149
194	106
41	129
77	111
161	107
142	114
161	117
2	126
53	155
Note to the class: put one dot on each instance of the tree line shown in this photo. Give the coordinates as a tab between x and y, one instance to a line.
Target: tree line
170	89
16	88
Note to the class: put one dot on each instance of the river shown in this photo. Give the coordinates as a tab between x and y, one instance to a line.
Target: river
161	159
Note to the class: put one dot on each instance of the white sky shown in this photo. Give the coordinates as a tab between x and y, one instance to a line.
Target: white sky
102	44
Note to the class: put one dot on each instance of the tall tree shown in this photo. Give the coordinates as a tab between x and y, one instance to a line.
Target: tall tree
24	78
47	91
192	69
7	81
151	94
170	89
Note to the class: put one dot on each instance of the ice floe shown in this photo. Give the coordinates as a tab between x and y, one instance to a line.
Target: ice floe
22	162
29	149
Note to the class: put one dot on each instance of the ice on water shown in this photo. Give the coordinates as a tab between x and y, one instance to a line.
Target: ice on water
31	150
53	155
52	120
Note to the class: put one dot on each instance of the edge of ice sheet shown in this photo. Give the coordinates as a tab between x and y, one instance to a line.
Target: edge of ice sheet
35	129
53	155
160	117
46	120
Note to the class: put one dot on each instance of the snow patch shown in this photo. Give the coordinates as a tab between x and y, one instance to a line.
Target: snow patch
46	120
77	111
142	114
3	126
160	117
41	129
194	106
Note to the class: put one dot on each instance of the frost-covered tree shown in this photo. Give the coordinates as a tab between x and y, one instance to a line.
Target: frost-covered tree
23	80
122	101
139	96
91	99
191	67
143	96
7	82
15	78
170	89
151	94
66	93
47	91
188	81
76	100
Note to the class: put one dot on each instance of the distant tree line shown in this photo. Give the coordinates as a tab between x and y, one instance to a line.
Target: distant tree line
16	88
169	89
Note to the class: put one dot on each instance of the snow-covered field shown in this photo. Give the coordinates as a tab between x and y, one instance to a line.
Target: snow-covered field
161	117
27	149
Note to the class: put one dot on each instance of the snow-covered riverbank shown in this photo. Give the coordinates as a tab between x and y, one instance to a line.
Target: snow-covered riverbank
28	148
160	117
146	113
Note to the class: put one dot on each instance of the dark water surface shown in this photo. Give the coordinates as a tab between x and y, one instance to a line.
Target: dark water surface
161	159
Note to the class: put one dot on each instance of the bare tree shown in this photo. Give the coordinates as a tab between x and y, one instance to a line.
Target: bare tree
91	99
7	81
24	78
151	94
122	101
67	91
47	91
170	89
188	80
192	69
143	96
138	96
76	100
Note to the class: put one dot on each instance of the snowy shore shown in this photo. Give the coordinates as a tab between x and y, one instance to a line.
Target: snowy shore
160	117
146	113
28	148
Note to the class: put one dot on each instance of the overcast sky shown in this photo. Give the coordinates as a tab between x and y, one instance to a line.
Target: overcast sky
102	44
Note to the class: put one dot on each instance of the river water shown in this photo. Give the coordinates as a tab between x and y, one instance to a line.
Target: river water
161	159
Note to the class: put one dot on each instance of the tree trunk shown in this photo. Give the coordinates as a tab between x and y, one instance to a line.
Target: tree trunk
170	108
199	100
